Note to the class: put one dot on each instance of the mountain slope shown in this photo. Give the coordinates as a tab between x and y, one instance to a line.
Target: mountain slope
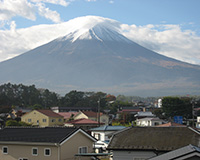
95	56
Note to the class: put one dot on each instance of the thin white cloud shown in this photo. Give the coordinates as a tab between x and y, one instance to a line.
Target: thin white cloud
11	8
58	2
48	14
168	40
28	9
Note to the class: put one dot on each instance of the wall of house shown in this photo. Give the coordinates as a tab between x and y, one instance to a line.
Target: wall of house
198	122
25	151
132	155
98	135
71	147
44	120
148	122
80	116
36	116
54	121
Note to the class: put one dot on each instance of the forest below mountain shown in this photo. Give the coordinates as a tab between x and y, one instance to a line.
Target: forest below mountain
13	95
37	98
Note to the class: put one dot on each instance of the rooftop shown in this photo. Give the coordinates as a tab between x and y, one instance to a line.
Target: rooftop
90	113
154	138
171	124
29	134
83	121
49	113
67	115
190	149
108	128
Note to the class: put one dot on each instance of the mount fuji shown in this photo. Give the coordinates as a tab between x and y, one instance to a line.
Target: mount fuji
94	56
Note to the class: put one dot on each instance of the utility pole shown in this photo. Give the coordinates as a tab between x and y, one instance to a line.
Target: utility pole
99	101
193	113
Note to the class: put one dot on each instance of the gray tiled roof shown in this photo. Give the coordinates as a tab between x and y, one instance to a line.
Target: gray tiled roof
45	135
154	138
178	153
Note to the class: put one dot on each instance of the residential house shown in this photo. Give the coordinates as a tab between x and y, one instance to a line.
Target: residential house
93	116
149	121
198	122
103	135
188	152
83	123
56	143
43	118
142	143
68	115
124	111
18	112
144	115
70	109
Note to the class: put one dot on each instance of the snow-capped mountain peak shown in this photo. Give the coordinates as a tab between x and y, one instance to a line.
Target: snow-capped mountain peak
93	27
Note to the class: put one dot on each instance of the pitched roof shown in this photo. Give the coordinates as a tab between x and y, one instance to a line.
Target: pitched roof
46	135
146	114
154	138
67	115
108	128
171	124
181	152
91	113
49	113
150	119
83	121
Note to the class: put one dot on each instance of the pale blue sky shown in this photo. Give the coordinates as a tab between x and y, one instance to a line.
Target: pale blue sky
139	12
172	26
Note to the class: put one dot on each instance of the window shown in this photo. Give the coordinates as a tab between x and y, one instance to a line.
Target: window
34	151
23	159
5	150
82	149
29	120
47	151
97	136
44	120
53	120
60	120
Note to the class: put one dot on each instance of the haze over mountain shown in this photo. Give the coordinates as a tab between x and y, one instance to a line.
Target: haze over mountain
95	56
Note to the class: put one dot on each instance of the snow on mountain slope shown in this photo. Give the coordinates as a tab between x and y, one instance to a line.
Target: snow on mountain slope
94	27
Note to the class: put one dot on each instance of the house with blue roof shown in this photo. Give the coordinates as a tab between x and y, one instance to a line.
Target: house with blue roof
103	135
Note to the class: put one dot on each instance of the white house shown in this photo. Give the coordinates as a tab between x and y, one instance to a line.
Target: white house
198	122
103	135
149	122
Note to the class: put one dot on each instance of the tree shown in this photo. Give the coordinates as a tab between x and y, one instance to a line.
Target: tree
175	106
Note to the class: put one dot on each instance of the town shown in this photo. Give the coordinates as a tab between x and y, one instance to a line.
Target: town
114	128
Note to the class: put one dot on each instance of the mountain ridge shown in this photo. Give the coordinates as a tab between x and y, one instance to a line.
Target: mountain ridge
99	58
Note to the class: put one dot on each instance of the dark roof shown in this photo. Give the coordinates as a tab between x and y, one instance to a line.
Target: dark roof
91	113
46	135
154	138
181	152
49	113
